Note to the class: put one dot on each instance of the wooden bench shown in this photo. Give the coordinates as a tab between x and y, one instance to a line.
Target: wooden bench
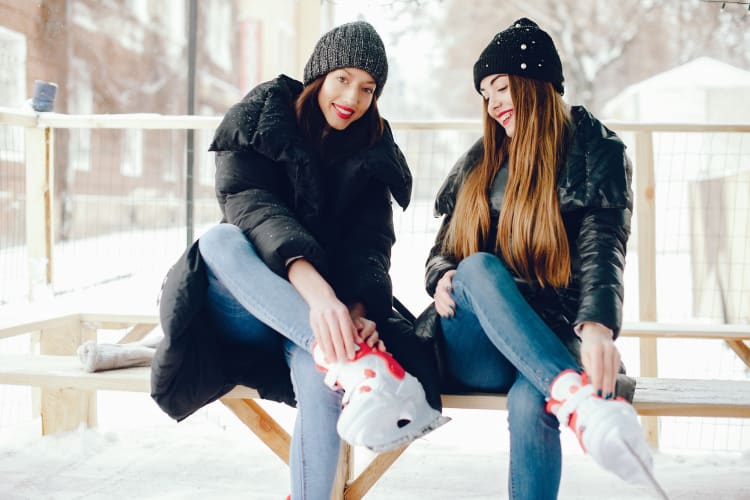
68	393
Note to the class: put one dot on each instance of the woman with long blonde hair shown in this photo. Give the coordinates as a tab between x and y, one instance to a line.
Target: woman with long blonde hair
527	268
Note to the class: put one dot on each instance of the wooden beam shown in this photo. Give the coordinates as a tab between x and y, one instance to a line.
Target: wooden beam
741	349
308	31
17	324
262	425
64	409
654	329
645	213
344	471
39	208
138	332
370	475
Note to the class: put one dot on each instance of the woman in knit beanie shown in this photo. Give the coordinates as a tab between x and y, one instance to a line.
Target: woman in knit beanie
527	268
291	293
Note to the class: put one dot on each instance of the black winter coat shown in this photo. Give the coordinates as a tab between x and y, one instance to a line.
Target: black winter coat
289	200
596	202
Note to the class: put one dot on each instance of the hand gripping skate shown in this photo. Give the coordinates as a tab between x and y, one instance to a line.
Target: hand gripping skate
384	406
608	430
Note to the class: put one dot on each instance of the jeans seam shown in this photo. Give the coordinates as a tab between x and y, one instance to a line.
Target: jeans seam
268	316
302	465
538	380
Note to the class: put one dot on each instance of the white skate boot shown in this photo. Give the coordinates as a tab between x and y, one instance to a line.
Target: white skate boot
608	430
384	406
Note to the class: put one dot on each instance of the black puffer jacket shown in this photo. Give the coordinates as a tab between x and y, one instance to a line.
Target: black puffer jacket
332	208
596	202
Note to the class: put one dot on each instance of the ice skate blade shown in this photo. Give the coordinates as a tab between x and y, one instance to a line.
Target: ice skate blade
647	473
410	436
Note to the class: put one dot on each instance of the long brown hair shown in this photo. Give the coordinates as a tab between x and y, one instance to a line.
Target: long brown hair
367	130
530	233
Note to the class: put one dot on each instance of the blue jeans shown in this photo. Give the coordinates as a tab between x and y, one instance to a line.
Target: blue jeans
249	304
497	343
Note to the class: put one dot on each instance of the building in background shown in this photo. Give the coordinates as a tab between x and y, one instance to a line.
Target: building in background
704	90
131	56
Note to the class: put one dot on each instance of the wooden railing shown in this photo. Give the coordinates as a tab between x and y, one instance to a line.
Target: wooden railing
39	134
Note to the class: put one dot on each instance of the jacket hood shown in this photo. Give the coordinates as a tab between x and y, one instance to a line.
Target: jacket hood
384	162
265	122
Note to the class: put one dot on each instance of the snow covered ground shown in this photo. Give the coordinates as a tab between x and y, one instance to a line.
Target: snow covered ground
137	452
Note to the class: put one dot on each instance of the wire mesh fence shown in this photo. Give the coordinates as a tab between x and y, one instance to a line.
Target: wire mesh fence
13	256
120	210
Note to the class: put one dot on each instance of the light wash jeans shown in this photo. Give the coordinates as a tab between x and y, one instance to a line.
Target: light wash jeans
497	343
251	305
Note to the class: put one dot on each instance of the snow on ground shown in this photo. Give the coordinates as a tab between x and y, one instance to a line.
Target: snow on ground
137	452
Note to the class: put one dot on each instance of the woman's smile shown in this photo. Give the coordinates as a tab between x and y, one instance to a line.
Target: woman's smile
344	112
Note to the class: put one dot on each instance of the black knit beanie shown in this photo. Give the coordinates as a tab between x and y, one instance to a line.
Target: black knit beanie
522	49
351	45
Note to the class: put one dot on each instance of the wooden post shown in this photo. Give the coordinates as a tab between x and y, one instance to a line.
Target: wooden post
344	472
262	424
39	151
357	488
645	215
308	30
39	205
65	410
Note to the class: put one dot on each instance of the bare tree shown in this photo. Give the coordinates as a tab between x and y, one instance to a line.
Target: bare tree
604	45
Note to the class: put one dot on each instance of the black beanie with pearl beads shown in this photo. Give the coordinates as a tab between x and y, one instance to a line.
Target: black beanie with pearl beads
523	49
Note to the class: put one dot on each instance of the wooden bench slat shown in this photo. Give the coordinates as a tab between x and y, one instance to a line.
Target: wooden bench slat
654	396
16	324
25	319
479	401
692	397
31	319
109	320
65	372
645	329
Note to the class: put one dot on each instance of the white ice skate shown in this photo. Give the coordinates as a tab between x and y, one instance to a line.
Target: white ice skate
384	406
608	430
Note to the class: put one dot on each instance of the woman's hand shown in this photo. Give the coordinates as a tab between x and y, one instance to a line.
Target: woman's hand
333	329
600	357
366	328
369	334
444	303
330	319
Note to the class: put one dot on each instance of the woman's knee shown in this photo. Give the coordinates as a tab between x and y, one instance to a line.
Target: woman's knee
476	262
481	265
525	401
224	242
218	235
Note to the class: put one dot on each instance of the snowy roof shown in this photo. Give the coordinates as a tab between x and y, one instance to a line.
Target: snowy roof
718	90
703	72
